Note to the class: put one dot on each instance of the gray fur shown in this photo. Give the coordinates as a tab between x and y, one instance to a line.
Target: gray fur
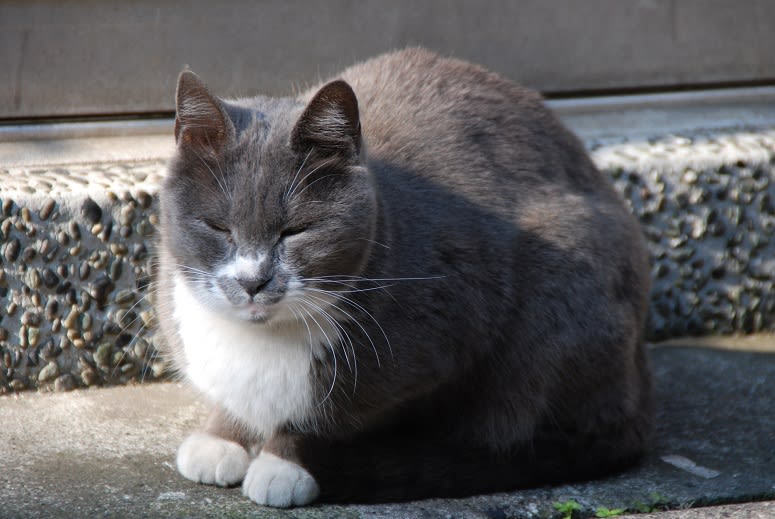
496	285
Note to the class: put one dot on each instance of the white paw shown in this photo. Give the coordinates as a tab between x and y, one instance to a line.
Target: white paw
273	481
208	459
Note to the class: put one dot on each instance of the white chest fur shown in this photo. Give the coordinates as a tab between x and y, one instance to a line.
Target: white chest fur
260	376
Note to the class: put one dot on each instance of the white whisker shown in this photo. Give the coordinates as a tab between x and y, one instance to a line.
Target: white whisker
292	185
354	320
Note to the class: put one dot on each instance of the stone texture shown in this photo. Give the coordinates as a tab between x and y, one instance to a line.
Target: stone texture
706	201
55	267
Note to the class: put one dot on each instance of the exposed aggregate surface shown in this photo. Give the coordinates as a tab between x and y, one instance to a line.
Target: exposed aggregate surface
76	247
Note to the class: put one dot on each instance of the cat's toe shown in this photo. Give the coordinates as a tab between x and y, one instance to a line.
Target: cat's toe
211	460
273	481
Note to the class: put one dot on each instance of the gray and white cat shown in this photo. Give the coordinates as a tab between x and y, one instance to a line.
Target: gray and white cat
410	282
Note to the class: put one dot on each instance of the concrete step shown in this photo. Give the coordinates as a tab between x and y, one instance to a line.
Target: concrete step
111	452
79	210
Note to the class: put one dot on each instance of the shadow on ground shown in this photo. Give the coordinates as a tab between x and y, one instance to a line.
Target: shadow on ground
110	452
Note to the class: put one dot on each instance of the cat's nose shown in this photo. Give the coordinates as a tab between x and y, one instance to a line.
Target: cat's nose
253	286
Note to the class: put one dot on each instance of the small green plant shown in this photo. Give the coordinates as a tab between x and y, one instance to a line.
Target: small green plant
566	508
608	512
656	502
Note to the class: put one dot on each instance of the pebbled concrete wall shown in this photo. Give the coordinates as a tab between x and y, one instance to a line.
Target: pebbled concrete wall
76	247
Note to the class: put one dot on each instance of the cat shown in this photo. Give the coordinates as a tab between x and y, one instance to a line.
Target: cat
408	282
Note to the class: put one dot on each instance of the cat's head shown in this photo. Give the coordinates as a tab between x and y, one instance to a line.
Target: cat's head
267	201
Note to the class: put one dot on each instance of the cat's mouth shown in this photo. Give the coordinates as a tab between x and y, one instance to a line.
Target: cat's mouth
256	313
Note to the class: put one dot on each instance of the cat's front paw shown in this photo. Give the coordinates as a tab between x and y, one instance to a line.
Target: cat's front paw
211	460
273	481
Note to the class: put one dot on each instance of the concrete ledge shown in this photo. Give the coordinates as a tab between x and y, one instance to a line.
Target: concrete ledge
110	452
78	217
77	244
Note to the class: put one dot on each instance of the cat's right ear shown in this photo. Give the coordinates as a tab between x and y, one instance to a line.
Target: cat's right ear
330	122
201	122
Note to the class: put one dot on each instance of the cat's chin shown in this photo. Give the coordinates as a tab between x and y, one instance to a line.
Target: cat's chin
253	313
260	314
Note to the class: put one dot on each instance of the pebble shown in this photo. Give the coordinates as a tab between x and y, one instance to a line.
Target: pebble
12	249
149	318
47	209
7	207
127	215
44	246
30	318
118	249
124	296
32	357
5	228
140	348
70	295
71	321
144	199
23	336
100	288
65	382
110	328
125	318
84	270
29	254
75	230
116	269
158	369
89	377
145	229
103	353
50	350
49	372
33	278
106	232
118	358
139	252
50	279
63	238
123	340
33	336
91	211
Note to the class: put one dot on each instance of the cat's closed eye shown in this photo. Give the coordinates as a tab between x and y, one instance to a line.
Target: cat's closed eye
293	231
217	227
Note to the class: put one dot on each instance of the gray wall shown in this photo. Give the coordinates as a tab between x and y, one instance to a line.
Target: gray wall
81	57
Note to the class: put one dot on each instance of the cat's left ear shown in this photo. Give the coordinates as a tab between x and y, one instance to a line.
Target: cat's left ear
201	123
330	123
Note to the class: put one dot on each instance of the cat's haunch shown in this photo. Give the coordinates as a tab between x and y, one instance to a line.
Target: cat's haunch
409	282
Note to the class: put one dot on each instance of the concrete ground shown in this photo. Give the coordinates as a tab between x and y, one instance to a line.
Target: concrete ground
110	452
